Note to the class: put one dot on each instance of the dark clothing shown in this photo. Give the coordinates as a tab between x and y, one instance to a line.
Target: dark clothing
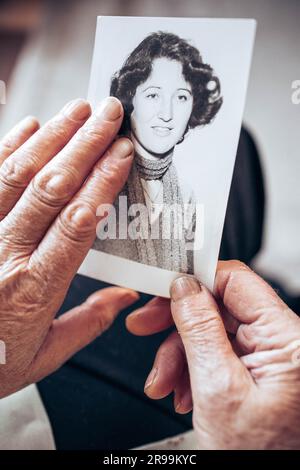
96	400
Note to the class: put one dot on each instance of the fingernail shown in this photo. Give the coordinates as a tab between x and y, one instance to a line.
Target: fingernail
184	286
124	148
178	406
151	378
110	109
77	109
182	409
177	401
182	404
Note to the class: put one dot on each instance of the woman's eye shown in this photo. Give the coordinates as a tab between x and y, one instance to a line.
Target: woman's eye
182	97
152	96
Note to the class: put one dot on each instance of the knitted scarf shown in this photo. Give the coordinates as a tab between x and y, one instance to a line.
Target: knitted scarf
165	252
152	169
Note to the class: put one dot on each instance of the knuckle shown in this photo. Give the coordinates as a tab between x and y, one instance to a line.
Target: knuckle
248	331
93	136
109	175
15	175
78	223
7	144
54	187
195	317
247	336
203	328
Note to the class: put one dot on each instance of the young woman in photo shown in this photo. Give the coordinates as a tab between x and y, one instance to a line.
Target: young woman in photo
166	89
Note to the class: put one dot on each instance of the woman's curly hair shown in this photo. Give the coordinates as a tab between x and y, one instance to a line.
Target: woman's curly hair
137	68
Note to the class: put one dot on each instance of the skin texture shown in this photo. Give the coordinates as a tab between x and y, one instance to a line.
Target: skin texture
234	359
162	107
51	182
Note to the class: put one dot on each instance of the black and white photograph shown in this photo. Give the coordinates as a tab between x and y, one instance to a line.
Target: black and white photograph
182	103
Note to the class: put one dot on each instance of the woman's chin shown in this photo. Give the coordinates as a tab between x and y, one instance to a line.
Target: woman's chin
159	149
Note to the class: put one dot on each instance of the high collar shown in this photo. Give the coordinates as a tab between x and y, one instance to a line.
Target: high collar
150	167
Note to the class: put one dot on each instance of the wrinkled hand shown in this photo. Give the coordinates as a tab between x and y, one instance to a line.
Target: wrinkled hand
51	181
235	359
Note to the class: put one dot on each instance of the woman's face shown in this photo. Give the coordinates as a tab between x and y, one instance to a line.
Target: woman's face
162	107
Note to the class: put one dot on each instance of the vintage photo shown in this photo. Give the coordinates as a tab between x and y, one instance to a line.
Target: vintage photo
166	90
182	84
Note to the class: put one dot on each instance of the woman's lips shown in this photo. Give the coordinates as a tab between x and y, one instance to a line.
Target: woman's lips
162	131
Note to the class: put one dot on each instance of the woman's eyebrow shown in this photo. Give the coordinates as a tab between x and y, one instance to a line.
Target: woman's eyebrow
158	87
185	89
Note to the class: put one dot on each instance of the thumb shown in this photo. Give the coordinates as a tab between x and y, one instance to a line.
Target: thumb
208	350
79	327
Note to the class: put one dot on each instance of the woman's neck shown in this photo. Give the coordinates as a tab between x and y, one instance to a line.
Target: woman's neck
145	153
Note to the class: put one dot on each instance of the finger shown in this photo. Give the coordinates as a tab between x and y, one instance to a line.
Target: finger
19	168
270	331
68	240
58	181
79	327
17	136
209	353
245	295
264	321
152	318
167	368
289	354
183	402
266	364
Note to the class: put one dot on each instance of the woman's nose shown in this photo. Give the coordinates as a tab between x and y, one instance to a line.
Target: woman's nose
165	111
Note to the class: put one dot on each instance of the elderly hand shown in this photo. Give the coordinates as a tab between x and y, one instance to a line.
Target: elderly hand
235	359
51	182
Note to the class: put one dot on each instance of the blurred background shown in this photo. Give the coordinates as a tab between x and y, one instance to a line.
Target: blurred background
45	57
